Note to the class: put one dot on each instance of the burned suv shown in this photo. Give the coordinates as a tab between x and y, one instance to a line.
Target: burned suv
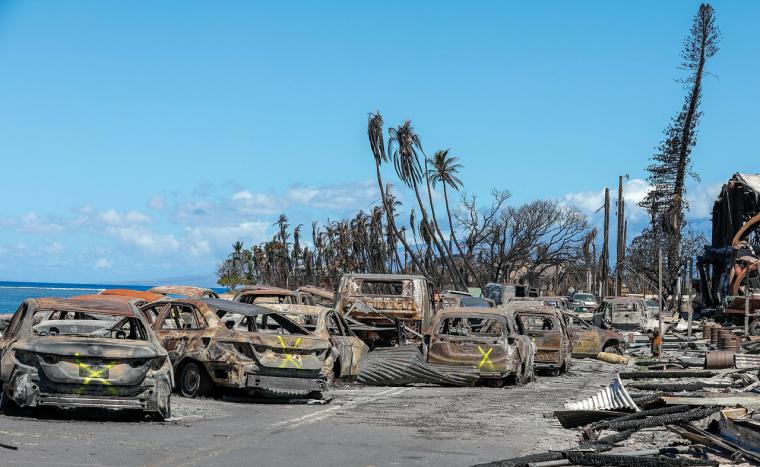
218	343
547	328
88	351
489	341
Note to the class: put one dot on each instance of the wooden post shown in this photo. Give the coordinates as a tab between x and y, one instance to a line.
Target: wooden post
620	239
746	303
687	286
606	244
659	292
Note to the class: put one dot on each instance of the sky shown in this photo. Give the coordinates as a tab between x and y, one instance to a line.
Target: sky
140	139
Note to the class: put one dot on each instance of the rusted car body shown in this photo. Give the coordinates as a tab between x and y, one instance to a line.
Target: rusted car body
588	340
263	294
451	300
187	291
216	343
546	327
560	303
146	297
624	313
117	365
489	341
373	303
326	323
504	293
319	296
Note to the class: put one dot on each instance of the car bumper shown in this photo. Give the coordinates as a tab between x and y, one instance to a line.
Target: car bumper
25	389
284	383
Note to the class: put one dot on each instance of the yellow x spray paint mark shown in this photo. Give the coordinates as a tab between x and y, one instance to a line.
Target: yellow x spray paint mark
288	357
98	374
485	360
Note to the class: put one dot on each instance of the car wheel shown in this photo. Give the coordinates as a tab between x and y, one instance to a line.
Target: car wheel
193	381
7	405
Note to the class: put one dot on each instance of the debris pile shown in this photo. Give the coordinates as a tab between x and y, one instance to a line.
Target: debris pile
681	409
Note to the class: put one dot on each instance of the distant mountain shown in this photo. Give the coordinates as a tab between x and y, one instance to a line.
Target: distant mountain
199	280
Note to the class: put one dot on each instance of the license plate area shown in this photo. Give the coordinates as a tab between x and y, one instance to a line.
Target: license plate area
93	370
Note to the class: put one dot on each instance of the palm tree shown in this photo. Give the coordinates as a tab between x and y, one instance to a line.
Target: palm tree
444	170
404	143
377	144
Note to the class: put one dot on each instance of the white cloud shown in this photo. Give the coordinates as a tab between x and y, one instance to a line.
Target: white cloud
145	239
112	217
351	196
103	263
217	240
32	223
701	199
258	203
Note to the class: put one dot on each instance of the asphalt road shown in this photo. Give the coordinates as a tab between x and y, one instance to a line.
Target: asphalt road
363	426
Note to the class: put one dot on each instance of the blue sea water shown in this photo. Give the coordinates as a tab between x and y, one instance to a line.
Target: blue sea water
13	293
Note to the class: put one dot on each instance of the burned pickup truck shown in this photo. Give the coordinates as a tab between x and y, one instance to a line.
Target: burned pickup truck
216	343
91	351
377	306
488	341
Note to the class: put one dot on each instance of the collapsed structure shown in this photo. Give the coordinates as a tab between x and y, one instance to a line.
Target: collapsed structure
728	266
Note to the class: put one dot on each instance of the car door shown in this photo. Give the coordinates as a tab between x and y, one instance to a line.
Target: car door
583	336
8	337
341	341
182	331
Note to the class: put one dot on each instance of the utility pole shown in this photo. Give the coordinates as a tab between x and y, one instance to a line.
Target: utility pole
659	292
746	302
606	244
620	251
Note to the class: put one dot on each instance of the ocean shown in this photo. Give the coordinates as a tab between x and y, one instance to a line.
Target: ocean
13	293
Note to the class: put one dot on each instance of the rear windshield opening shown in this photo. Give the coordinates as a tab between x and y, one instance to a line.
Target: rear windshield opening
92	325
539	323
267	299
471	327
400	288
270	323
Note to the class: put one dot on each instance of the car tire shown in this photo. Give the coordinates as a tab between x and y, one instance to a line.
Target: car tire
7	405
193	380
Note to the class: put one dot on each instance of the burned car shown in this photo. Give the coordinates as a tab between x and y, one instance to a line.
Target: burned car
546	327
263	294
215	343
625	313
317	295
459	300
377	304
328	324
114	361
183	291
490	341
588	340
142	296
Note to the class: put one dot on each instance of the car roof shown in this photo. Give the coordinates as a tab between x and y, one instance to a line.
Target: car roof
247	309
116	305
144	295
472	310
188	290
385	277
